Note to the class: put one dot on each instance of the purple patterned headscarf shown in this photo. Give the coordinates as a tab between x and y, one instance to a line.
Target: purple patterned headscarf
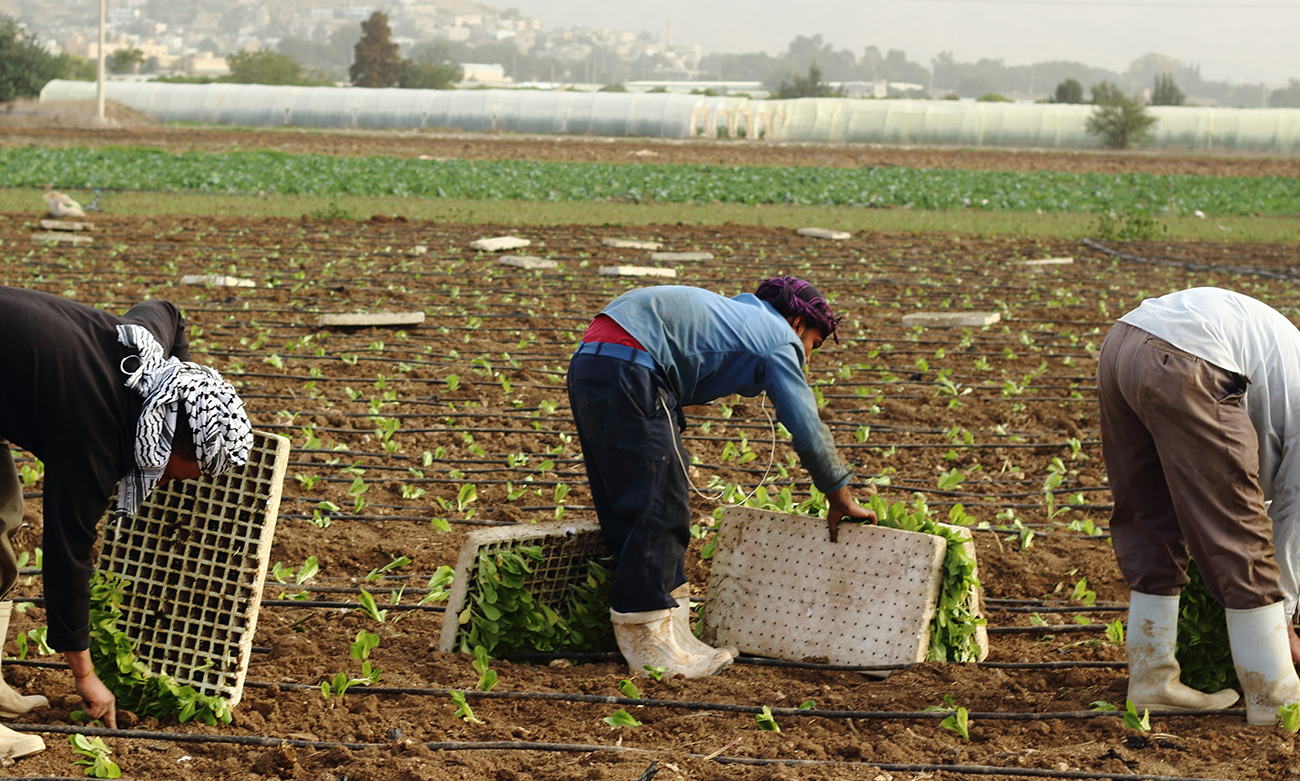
793	297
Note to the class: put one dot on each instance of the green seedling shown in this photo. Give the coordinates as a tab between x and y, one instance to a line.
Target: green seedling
468	493
765	720
412	492
1115	632
951	479
463	711
958	722
1288	717
1133	721
95	757
370	608
378	574
621	718
654	673
629	689
808	705
1083	593
1102	705
438	583
487	677
453	382
365	643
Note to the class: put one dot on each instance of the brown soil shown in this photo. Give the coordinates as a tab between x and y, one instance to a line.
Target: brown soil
1031	391
72	125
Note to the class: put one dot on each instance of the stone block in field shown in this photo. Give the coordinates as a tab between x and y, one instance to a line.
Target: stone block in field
66	225
371	319
779	588
530	262
680	257
952	319
1038	264
193	562
60	237
216	280
567	549
825	233
637	271
499	244
631	244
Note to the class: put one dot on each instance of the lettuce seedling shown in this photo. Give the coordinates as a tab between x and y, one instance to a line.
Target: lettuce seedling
621	718
1133	721
463	711
629	689
765	721
95	753
487	677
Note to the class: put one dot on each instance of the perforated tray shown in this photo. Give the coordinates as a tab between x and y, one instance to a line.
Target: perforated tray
194	559
567	548
780	588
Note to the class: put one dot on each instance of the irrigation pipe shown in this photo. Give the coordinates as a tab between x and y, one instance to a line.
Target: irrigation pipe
507	745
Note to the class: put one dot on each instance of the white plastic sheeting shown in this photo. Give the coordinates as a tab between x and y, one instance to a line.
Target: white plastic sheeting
662	115
669	115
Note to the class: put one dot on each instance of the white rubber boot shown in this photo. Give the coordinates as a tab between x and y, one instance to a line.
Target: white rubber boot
646	640
11	702
1262	655
1152	669
682	625
19	744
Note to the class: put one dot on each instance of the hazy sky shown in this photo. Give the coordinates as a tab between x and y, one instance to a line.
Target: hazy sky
1248	41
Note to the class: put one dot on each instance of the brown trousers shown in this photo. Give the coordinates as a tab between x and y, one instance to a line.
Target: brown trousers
11	518
1183	461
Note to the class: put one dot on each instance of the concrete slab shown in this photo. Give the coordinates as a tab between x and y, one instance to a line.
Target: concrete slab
66	225
631	244
680	257
499	243
61	237
530	262
952	319
370	319
778	587
824	233
637	271
216	280
1044	262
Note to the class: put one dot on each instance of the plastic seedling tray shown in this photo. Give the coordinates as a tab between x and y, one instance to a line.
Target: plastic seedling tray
194	559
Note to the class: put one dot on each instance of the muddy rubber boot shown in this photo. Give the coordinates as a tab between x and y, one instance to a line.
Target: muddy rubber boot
682	625
11	702
19	744
1262	655
1152	668
646	640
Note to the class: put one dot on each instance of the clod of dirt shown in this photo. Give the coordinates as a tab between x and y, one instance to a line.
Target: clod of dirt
293	646
280	761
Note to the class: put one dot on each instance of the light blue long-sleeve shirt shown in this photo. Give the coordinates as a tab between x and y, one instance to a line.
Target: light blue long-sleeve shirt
710	346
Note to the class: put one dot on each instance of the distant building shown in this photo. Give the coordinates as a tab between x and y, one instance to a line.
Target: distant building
483	75
205	64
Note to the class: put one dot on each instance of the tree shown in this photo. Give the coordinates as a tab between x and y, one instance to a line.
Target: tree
267	67
375	59
1166	92
420	74
124	60
1119	120
1287	97
25	66
1068	91
810	86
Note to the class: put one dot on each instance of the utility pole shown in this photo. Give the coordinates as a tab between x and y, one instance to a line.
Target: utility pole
99	88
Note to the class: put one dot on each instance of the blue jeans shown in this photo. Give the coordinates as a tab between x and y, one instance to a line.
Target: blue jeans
629	428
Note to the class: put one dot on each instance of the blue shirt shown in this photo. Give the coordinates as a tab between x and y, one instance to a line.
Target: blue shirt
709	346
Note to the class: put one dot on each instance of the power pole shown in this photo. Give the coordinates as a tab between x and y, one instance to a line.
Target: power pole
99	88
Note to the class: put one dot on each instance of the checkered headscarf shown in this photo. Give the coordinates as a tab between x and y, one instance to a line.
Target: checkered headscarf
794	297
223	435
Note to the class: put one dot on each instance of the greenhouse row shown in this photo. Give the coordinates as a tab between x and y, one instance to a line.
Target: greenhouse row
669	115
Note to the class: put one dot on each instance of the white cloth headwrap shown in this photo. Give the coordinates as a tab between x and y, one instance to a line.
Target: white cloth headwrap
223	435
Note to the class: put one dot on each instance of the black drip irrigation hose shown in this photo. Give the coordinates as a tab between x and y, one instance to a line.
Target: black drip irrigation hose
723	707
759	661
580	748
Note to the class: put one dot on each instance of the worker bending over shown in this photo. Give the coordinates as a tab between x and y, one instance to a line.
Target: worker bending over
647	355
99	399
1200	422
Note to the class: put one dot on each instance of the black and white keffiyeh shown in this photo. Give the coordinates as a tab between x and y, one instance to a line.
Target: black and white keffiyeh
223	435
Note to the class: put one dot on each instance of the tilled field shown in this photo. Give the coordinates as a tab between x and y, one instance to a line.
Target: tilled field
478	398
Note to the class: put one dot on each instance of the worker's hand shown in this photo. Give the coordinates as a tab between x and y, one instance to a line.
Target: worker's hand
1295	646
100	702
842	505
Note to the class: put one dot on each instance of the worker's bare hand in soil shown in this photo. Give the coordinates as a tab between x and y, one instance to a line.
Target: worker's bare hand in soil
843	506
1295	646
100	702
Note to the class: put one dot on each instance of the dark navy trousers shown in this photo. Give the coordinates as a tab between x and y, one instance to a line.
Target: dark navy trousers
629	426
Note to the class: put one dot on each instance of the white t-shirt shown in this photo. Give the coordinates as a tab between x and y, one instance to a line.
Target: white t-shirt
1246	336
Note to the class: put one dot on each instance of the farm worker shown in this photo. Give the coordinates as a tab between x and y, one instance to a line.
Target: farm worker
647	355
98	398
1200	425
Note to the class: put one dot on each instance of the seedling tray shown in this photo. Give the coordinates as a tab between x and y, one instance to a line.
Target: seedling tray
780	588
194	562
567	549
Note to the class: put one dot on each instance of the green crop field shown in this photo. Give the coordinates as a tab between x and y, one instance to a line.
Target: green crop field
124	168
